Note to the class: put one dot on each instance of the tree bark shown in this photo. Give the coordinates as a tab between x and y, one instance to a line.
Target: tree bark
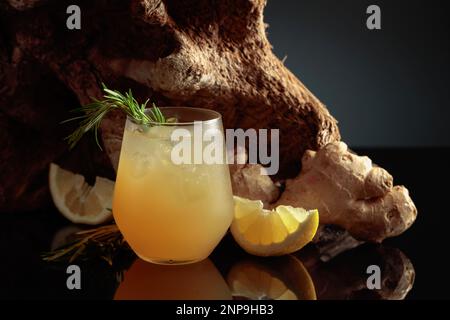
209	54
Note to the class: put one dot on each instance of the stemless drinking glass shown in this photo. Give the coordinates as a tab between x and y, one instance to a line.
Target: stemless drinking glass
171	213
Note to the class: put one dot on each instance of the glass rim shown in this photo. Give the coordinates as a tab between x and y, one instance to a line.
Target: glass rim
214	116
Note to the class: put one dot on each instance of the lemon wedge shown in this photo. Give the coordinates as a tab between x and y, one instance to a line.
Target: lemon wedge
275	232
78	201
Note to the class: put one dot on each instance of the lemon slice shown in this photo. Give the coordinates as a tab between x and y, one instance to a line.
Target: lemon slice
280	278
78	201
275	232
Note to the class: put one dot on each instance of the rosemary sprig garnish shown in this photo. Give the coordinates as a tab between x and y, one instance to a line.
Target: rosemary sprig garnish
106	240
94	112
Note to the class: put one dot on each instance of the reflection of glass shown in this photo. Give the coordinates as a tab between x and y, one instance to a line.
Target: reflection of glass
197	281
171	213
281	278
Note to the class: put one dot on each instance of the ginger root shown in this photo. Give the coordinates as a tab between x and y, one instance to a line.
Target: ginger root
247	182
351	193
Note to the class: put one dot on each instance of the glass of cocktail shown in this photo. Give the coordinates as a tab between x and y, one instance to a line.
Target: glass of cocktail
171	212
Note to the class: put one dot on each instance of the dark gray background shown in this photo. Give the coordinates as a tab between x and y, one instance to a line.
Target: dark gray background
387	87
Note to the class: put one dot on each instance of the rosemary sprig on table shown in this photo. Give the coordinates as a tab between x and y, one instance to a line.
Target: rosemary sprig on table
105	240
94	112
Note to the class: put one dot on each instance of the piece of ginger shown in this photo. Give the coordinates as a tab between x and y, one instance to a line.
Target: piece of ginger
350	192
248	182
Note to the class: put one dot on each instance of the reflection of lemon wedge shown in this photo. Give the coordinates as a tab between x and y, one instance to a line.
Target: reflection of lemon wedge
272	232
282	278
197	281
78	201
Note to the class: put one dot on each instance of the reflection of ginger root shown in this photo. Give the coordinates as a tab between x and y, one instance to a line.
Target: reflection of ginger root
351	193
343	277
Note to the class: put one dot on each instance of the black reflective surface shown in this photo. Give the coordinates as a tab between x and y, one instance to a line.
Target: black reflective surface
414	263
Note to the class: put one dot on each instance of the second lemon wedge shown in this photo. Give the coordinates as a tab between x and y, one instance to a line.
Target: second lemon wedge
78	201
275	232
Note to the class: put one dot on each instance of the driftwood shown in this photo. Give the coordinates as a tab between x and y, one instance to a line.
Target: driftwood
191	53
194	53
